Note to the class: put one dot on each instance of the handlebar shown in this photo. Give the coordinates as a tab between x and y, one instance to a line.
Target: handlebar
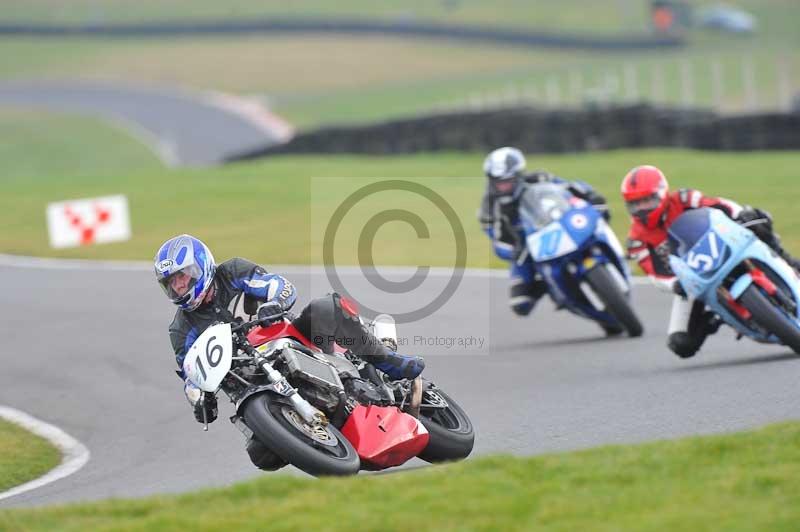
265	321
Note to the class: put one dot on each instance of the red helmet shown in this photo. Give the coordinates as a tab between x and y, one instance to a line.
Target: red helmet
645	191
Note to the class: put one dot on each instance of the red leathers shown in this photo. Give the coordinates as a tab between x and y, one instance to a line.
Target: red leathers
653	209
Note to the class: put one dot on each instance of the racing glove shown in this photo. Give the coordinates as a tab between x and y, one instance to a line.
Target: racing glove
758	221
677	289
587	193
270	311
209	403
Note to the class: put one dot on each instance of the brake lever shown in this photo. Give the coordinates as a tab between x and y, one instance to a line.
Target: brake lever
203	408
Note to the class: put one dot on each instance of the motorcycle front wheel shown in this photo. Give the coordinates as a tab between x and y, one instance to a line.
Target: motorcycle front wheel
615	301
317	450
770	317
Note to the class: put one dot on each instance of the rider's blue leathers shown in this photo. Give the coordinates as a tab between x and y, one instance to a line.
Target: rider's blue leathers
499	218
240	286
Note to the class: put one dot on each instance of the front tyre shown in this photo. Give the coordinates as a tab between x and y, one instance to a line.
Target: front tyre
451	434
770	317
615	301
319	451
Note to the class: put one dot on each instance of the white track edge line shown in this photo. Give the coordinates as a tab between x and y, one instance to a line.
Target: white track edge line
19	261
76	455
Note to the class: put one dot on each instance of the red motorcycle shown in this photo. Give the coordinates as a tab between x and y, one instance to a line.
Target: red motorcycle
327	414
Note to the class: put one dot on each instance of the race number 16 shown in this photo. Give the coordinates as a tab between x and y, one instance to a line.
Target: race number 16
213	356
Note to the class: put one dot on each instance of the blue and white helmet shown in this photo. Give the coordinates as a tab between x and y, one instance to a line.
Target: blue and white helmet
185	269
502	166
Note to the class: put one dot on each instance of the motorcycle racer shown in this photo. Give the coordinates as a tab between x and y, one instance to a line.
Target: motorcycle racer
653	209
207	293
499	217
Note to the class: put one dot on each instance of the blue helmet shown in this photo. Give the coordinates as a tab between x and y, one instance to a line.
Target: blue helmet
185	268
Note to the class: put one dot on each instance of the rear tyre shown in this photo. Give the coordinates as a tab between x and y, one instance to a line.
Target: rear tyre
771	318
615	301
451	434
317	451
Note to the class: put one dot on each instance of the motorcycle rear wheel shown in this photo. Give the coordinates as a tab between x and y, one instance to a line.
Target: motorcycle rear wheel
278	426
771	318
450	431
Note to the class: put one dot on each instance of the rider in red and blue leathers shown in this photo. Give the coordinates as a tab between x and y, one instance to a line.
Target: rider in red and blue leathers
499	218
207	293
653	209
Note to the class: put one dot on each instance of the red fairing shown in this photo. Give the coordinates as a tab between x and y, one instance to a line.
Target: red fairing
283	329
384	436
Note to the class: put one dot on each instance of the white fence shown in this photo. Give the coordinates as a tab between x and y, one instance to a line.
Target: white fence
727	84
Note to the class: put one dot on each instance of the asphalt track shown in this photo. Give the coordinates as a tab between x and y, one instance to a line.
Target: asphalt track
183	127
86	349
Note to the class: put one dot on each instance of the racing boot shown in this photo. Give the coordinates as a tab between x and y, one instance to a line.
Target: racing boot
398	367
690	325
612	330
525	295
262	457
683	344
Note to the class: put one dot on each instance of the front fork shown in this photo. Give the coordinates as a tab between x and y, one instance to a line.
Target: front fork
279	383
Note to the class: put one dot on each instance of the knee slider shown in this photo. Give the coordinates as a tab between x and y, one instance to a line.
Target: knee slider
521	308
262	457
682	344
523	298
345	307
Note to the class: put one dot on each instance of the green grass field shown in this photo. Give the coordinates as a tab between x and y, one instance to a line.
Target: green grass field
37	143
518	13
746	481
23	456
608	16
322	79
290	199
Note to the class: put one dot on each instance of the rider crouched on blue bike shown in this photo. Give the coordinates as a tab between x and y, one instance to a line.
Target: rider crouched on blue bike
238	290
499	218
653	209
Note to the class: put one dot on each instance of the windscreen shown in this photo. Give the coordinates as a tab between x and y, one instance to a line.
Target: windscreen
687	230
543	203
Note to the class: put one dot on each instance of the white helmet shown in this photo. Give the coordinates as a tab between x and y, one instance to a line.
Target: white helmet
502	167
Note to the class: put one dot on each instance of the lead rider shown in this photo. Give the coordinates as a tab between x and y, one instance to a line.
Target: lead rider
239	289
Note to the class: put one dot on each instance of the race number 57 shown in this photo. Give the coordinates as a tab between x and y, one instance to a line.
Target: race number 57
700	261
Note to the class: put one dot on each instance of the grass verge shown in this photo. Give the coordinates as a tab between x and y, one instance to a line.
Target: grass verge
38	144
23	456
276	211
745	481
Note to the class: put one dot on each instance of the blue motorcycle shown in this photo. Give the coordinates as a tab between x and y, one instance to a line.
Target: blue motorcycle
577	254
737	276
